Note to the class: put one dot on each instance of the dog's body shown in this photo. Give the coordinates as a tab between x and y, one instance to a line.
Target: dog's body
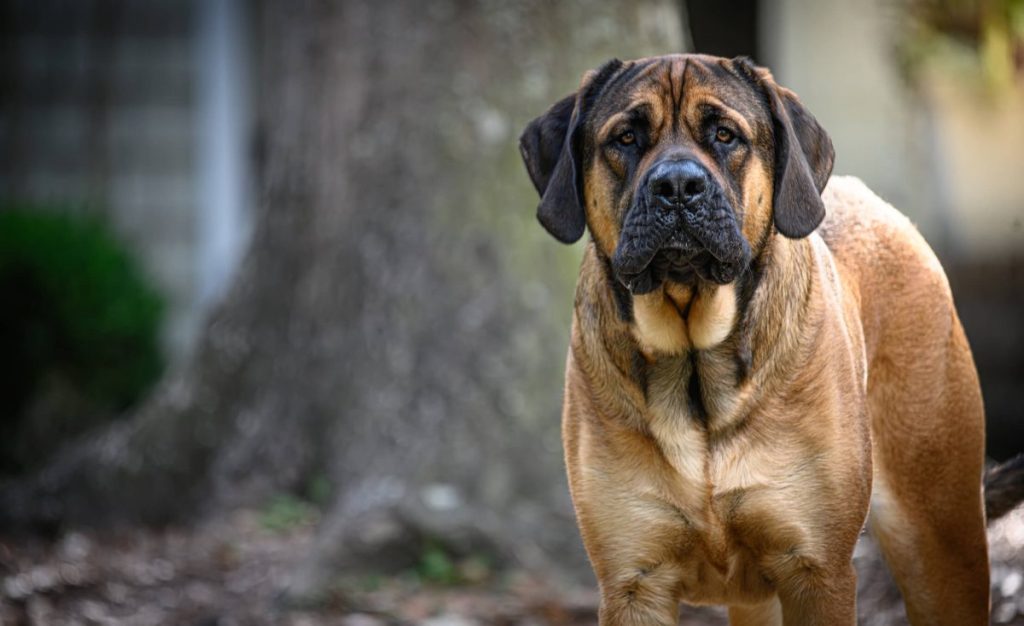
740	385
759	485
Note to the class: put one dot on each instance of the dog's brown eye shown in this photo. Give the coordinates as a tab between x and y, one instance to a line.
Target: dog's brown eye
627	138
724	135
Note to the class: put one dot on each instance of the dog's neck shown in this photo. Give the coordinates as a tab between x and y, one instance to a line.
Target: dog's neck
716	339
676	319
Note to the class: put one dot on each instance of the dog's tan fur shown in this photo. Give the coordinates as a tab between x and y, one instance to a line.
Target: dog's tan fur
858	388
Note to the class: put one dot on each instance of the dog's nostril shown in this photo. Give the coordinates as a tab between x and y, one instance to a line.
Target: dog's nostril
664	189
693	188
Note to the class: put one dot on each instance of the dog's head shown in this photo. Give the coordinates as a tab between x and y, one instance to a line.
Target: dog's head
682	166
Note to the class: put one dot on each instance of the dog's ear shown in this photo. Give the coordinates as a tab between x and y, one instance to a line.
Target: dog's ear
803	163
541	143
803	157
550	152
550	147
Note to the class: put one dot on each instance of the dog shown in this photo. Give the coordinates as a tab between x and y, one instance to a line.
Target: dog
760	354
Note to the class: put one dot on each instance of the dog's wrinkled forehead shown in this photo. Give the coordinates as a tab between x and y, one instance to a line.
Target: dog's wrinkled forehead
668	92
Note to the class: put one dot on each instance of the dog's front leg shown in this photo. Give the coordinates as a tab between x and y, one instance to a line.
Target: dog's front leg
828	600
641	596
768	613
623	611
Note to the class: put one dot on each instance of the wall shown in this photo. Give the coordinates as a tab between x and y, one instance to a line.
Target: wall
135	111
946	154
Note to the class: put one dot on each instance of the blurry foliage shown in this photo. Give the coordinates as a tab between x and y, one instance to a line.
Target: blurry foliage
980	38
319	490
437	566
284	512
79	328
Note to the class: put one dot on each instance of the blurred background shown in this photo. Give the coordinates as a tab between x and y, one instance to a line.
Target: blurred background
281	341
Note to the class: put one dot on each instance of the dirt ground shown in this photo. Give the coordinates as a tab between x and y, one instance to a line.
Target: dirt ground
232	572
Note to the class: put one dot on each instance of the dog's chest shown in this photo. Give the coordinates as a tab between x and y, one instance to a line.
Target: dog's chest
696	411
727	486
701	440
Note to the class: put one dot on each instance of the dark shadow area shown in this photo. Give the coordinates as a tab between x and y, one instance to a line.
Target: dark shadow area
990	300
729	33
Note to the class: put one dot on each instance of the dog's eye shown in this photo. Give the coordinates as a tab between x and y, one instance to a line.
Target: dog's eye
724	135
627	138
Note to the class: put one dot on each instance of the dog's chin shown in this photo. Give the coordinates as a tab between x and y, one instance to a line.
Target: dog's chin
700	267
686	262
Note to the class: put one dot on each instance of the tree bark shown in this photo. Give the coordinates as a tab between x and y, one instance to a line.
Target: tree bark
399	324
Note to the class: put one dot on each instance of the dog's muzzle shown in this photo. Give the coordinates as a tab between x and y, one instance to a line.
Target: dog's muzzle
680	227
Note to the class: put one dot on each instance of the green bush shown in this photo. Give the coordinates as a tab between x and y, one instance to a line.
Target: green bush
79	330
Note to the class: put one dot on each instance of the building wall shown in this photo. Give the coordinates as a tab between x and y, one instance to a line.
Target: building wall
944	153
107	106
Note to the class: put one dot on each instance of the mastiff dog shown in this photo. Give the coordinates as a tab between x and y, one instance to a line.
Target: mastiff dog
762	360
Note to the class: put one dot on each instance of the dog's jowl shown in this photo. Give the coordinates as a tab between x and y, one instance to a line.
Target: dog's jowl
763	359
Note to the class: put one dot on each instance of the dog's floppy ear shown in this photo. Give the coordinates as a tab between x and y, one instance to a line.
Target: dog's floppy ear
551	150
803	162
803	158
541	143
551	158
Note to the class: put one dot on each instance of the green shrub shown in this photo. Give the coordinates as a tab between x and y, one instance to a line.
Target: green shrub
79	330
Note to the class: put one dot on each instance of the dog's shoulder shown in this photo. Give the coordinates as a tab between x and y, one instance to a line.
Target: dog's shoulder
855	213
889	268
873	239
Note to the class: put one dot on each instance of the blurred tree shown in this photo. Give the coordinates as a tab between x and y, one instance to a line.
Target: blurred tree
397	332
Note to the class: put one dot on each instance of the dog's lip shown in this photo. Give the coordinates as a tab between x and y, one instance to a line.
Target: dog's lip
685	232
675	244
695	261
672	242
634	264
629	280
638	270
683	263
692	233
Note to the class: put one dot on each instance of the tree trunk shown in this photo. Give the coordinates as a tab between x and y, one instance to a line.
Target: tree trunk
399	324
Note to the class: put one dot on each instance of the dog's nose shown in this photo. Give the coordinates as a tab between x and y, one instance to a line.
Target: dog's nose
678	184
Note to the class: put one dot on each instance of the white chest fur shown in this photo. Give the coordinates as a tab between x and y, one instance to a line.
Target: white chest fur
675	319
